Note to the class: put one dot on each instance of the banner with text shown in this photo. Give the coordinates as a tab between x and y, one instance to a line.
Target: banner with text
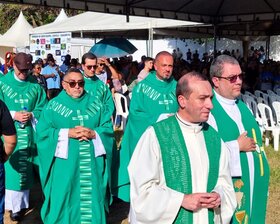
58	44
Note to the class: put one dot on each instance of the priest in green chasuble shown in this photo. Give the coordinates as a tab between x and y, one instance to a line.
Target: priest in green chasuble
25	100
179	171
72	138
94	86
241	133
153	99
98	90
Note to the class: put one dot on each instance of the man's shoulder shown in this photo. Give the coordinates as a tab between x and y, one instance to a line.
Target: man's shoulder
95	81
7	78
47	69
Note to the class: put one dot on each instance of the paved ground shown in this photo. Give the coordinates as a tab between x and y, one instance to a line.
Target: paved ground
118	210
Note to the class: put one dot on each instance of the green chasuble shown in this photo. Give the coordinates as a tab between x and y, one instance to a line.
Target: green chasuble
73	186
150	98
96	88
229	131
19	95
176	162
99	91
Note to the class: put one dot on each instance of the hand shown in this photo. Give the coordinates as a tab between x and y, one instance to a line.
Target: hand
88	133
196	201
81	133
245	143
23	116
105	61
212	200
52	75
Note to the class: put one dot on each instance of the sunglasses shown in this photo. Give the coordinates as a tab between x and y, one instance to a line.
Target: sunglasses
232	79
73	84
89	67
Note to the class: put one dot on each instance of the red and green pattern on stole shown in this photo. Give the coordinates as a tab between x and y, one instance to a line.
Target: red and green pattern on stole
176	163
228	130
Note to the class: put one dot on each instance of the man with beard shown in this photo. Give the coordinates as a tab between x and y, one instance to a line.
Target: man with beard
153	99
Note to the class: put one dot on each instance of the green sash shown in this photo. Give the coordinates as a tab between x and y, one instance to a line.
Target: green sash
176	162
230	132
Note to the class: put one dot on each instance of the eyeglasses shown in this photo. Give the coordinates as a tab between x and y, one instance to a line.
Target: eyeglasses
73	84
89	67
232	79
102	64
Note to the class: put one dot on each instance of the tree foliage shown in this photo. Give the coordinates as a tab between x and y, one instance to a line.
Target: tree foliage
35	15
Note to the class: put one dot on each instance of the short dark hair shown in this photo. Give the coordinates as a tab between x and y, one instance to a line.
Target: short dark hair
165	53
183	87
70	70
148	59
217	65
88	55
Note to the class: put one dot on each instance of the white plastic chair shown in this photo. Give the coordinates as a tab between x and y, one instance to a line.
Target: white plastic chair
278	91
266	98
121	109
270	92
258	93
269	124
249	93
276	108
262	100
253	107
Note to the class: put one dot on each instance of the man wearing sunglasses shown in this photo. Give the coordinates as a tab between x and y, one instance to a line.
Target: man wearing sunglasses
72	138
101	93
95	86
153	99
100	71
240	131
25	100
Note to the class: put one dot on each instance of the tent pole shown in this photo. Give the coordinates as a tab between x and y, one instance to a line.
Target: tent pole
267	53
215	41
147	47
152	41
206	45
149	41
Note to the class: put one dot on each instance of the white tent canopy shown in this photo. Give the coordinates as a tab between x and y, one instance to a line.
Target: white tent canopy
102	22
62	16
18	35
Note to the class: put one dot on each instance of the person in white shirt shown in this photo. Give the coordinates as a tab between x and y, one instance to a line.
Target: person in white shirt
241	133
179	171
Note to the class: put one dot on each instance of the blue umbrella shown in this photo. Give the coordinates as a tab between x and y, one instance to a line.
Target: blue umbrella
113	48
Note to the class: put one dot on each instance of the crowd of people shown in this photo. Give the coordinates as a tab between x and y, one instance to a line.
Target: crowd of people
191	151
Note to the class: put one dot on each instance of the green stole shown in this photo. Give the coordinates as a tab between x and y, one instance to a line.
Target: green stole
230	132
102	94
176	162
